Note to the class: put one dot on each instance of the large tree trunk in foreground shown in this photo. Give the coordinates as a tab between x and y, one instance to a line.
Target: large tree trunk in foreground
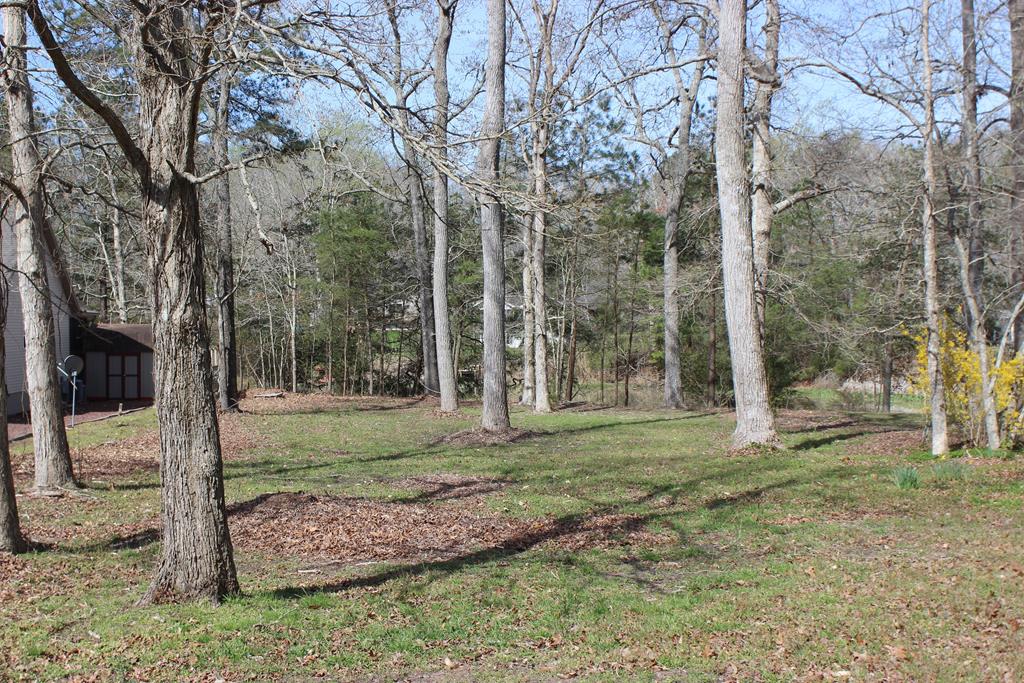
11	540
442	325
196	556
755	424
495	405
196	560
52	458
227	357
940	440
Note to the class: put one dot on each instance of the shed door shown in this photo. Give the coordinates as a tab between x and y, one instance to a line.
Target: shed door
123	376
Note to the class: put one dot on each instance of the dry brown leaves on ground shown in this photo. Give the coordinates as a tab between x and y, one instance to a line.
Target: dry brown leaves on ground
318	402
348	530
890	443
482	437
140	453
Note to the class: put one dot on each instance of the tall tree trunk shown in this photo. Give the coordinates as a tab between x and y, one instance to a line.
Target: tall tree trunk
196	555
940	440
428	341
53	468
971	256
670	303
494	416
529	376
1016	218
677	172
442	325
11	539
762	212
414	191
755	424
196	560
972	154
541	399
227	362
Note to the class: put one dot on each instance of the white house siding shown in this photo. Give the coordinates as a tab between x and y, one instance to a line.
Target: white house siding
14	329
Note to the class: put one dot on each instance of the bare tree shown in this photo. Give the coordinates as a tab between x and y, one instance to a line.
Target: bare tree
940	440
767	82
494	416
672	158
755	424
171	51
971	256
442	328
53	469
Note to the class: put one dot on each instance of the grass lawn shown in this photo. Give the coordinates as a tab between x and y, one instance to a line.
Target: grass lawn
599	545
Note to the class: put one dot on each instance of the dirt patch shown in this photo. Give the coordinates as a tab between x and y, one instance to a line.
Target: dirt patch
481	437
900	442
351	530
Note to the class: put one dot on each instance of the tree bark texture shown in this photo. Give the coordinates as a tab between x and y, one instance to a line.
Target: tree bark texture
755	424
762	211
495	399
53	468
442	324
940	440
541	399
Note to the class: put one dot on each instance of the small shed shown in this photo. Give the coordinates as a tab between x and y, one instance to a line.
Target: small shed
118	362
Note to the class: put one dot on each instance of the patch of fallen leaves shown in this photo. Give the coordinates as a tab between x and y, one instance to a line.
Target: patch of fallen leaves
899	442
350	530
140	452
319	402
482	437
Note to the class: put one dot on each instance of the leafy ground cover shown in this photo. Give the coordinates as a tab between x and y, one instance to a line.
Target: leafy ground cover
379	541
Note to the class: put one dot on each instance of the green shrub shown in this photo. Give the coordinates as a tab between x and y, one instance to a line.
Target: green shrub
906	478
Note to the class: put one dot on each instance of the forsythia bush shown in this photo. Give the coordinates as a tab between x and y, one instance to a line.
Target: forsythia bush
961	375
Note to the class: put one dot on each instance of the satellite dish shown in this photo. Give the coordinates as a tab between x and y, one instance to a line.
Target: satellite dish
73	365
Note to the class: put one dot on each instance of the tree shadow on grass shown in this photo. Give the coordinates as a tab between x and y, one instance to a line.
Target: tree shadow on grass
510	547
557	529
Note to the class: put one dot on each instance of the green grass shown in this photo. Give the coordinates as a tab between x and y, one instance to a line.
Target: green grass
805	562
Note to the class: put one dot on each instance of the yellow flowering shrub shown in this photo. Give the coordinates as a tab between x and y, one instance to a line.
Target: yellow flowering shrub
961	377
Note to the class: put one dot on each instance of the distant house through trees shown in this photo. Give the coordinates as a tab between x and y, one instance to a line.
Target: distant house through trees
118	358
